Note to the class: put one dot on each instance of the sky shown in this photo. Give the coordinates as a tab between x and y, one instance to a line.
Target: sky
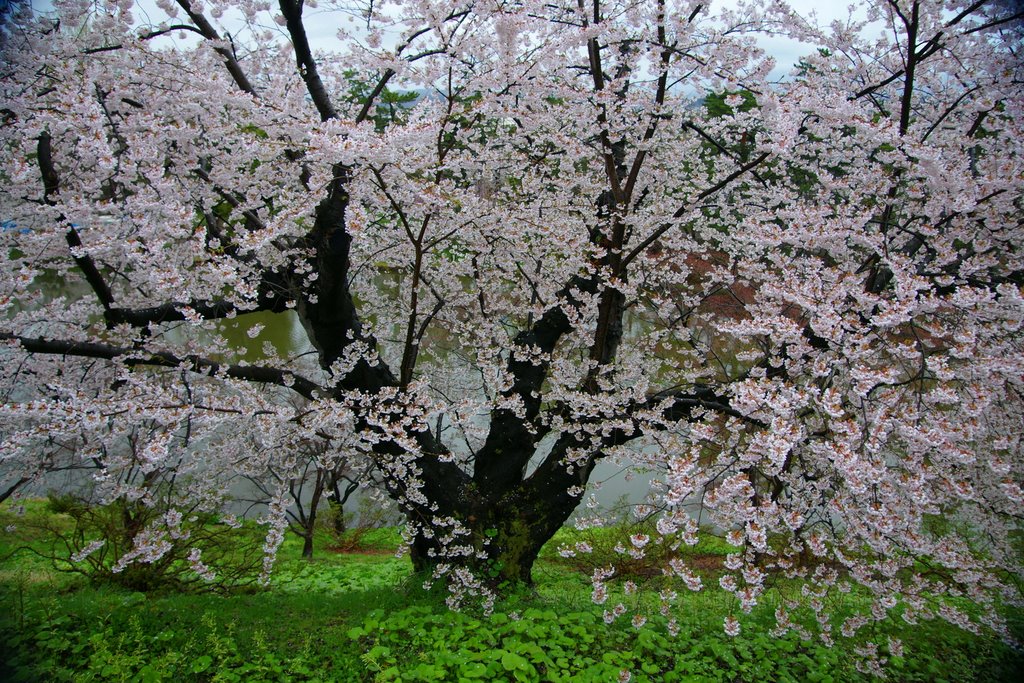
322	25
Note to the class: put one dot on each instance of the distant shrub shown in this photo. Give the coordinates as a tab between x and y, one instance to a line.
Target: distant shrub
362	531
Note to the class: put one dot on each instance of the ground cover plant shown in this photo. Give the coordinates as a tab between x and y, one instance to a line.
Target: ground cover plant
366	617
465	254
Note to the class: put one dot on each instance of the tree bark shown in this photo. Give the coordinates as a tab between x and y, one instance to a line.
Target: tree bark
510	525
310	521
307	545
337	501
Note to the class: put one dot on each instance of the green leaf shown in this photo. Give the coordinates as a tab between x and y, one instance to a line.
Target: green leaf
148	674
201	663
254	130
512	662
473	670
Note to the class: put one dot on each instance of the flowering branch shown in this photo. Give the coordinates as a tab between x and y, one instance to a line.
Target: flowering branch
133	357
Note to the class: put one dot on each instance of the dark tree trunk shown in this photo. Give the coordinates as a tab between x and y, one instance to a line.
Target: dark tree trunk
307	546
510	535
511	525
338	499
309	522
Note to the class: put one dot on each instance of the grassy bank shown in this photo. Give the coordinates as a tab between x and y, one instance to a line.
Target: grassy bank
365	617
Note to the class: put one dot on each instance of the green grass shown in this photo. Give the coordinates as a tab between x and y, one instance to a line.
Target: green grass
365	617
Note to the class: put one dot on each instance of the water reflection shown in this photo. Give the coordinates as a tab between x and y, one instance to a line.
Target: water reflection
279	333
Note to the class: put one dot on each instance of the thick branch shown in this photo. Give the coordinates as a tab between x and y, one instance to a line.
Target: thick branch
292	11
210	33
51	187
134	357
721	148
169	312
147	36
382	83
995	22
659	100
908	82
679	405
554	477
9	491
234	200
114	316
933	45
511	439
331	318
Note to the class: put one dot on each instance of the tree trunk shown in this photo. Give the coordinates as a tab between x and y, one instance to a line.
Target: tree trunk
310	521
515	540
510	539
337	516
337	501
511	526
307	546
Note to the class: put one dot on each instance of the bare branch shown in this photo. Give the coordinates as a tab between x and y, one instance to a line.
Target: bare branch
146	36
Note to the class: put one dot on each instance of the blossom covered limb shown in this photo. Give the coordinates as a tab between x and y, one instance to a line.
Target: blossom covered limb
134	357
207	30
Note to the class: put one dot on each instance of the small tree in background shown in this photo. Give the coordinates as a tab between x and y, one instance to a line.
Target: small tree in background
315	476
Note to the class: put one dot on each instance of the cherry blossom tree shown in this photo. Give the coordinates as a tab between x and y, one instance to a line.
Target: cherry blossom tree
800	303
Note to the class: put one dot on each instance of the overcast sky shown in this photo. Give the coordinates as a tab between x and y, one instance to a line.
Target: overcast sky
322	25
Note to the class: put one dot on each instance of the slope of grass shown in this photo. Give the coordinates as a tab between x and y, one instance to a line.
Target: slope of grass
365	617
